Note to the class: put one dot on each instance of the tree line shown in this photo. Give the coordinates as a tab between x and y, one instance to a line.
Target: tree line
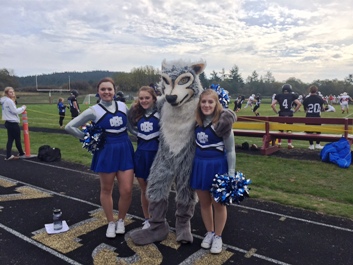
232	81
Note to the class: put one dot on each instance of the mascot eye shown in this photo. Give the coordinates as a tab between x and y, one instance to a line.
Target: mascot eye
184	80
165	81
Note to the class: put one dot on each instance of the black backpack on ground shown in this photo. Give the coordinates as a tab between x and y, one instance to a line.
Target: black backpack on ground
49	154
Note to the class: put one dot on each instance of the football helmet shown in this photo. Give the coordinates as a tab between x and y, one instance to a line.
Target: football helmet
120	94
287	87
74	92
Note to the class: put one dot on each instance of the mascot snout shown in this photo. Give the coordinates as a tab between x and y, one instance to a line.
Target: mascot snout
171	99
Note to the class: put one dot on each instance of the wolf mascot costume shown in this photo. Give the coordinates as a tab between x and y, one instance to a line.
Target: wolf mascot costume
181	88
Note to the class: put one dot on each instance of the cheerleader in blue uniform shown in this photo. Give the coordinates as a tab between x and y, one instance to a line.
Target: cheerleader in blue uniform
115	159
215	154
144	119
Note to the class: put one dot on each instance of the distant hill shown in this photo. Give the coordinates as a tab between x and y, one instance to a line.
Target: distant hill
60	79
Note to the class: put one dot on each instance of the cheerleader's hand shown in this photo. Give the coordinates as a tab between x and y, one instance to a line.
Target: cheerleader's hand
231	173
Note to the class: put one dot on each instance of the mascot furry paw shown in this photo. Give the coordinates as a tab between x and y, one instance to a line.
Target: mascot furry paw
181	87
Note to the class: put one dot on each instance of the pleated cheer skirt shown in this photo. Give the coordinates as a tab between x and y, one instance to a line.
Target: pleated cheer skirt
143	162
117	154
205	168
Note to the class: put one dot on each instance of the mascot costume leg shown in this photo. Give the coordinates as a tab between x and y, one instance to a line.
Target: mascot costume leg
181	87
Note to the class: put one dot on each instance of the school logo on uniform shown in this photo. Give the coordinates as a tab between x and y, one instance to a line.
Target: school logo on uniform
146	126
116	121
202	137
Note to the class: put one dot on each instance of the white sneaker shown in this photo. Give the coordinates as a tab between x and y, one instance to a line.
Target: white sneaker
311	147
146	224
12	157
110	230
207	241
318	146
290	146
120	227
216	245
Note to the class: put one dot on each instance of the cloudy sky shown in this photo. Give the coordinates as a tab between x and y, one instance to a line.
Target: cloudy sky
305	39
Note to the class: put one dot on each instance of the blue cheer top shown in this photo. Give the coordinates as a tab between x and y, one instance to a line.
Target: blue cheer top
112	123
117	153
148	132
208	143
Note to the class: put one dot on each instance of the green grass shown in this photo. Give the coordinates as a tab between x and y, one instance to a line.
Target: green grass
312	185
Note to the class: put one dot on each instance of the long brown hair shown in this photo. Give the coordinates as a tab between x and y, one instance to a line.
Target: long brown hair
217	111
136	111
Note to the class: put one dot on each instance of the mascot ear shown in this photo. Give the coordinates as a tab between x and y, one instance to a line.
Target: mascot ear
198	68
163	64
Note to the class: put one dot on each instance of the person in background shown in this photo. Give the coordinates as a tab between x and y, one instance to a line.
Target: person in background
273	97
285	101
62	110
313	105
250	101
115	159
238	103
344	102
215	154
10	116
301	99
329	108
144	120
257	104
120	96
73	104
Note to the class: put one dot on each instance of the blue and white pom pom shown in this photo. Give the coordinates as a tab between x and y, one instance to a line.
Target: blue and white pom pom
94	138
228	189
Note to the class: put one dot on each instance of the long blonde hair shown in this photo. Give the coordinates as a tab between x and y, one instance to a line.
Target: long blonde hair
6	93
217	111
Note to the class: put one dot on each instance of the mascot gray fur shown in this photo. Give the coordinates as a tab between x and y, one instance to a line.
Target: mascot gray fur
181	87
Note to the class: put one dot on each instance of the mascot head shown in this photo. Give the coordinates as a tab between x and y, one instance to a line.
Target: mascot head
180	81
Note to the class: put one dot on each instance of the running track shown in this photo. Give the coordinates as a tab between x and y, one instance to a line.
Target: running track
256	232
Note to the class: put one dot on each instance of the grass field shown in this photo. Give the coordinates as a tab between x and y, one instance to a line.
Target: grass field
313	185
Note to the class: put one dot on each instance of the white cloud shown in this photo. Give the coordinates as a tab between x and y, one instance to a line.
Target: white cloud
305	39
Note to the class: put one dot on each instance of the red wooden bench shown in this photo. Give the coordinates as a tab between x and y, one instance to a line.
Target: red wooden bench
296	128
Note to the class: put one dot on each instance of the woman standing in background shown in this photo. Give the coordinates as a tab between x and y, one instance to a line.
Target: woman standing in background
10	116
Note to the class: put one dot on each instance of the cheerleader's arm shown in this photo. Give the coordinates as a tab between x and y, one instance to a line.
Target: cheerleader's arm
73	127
131	125
230	153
